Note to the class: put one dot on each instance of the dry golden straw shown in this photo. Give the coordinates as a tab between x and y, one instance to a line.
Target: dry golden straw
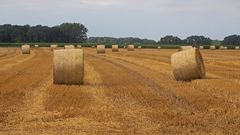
114	48
68	66
69	47
212	47
79	46
188	65
139	47
237	47
181	48
36	46
130	47
100	48
201	47
25	49
53	47
222	48
159	47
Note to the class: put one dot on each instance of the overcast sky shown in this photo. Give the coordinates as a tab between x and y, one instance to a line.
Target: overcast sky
123	18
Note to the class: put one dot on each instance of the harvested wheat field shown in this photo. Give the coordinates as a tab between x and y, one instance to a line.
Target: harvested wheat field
124	93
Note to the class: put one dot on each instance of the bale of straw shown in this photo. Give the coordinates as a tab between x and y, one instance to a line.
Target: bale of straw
181	48
130	47
93	46
159	47
212	47
79	46
100	48
114	48
139	47
225	48
237	47
124	46
68	66
222	48
53	47
201	47
25	49
69	47
188	65
36	46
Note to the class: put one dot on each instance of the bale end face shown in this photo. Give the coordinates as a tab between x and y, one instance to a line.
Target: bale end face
130	47
100	49
25	49
114	48
68	66
188	65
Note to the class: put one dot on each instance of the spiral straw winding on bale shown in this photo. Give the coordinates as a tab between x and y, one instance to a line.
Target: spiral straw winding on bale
69	47
188	65
100	48
212	47
130	47
68	66
237	47
53	47
114	48
181	48
25	49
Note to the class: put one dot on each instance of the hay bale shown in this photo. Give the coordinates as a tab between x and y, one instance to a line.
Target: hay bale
36	46
100	48
79	46
237	47
225	48
25	49
221	48
114	48
130	47
212	47
181	48
139	47
201	47
93	46
188	65
69	47
68	66
53	47
124	46
159	47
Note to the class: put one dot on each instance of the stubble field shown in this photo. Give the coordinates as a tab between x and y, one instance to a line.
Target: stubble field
124	93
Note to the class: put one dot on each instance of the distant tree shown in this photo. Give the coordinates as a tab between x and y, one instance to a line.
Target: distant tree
169	39
199	40
232	40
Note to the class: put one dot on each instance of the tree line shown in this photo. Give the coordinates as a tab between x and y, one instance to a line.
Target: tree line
77	33
66	32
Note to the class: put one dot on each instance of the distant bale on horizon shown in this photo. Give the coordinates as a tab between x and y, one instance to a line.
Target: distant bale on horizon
212	47
115	48
69	47
53	47
100	49
130	47
25	49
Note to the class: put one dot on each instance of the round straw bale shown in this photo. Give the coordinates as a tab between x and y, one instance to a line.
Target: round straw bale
124	46
68	66
130	47
181	48
100	48
79	46
69	47
222	48
201	47
237	47
159	47
139	47
114	48
36	46
25	49
212	47
188	65
53	47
